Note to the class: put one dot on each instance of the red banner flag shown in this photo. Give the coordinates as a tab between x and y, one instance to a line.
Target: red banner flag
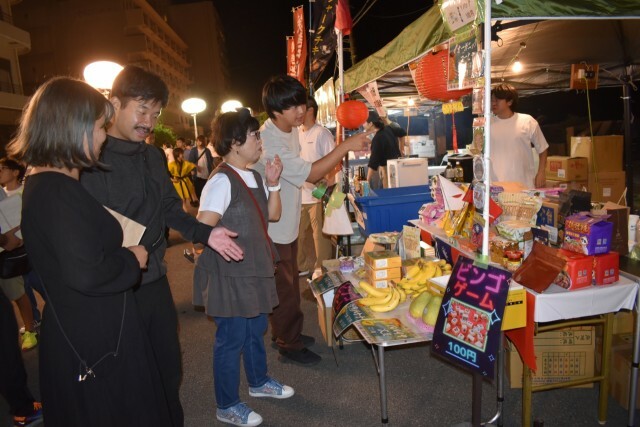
343	17
291	57
300	42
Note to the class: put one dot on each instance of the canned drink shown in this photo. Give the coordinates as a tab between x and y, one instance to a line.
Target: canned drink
365	188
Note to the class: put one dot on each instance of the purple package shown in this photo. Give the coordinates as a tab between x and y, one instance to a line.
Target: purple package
587	234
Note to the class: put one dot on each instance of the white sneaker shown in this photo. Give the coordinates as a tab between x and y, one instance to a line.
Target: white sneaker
316	273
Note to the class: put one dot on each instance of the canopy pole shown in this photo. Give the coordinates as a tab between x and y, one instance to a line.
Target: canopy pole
628	165
486	45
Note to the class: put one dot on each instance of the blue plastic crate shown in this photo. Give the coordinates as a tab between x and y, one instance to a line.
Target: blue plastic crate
389	209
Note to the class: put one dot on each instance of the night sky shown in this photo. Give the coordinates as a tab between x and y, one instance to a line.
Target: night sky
255	33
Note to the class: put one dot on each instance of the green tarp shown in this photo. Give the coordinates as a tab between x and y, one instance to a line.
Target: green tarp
429	31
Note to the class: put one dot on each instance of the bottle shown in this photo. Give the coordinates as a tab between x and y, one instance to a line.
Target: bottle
449	173
459	173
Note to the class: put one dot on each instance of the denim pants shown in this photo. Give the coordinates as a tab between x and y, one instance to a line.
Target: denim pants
235	337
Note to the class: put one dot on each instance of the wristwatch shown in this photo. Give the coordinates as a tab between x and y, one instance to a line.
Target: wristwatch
276	188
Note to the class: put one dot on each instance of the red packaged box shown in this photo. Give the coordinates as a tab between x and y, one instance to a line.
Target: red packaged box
578	273
606	268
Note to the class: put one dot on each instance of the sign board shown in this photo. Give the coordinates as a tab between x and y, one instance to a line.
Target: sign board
467	331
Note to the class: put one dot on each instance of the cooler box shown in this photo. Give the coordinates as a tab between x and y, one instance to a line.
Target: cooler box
389	209
408	172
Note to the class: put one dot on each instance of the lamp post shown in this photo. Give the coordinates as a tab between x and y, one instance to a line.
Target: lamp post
230	105
100	75
194	106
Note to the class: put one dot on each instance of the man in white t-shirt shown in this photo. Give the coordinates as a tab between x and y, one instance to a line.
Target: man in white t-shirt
285	101
313	246
515	139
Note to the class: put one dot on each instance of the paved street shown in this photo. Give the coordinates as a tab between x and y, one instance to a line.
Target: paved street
343	388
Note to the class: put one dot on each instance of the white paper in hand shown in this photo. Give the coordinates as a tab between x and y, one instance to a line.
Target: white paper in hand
131	231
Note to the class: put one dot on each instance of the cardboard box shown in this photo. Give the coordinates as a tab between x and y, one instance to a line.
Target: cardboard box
606	268
607	150
607	186
325	316
578	271
384	273
382	259
562	355
565	168
567	185
619	375
623	322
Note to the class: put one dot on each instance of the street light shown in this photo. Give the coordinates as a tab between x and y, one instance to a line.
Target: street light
194	106
230	106
101	74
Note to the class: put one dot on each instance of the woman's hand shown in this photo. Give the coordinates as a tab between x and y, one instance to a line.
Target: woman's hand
141	255
273	169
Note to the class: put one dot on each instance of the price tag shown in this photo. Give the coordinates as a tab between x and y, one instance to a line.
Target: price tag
458	13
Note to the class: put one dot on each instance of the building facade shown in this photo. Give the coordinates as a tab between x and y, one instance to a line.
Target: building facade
14	42
67	35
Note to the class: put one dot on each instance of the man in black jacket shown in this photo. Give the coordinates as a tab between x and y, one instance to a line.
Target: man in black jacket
136	185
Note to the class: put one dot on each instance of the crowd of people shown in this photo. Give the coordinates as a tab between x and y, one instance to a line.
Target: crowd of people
108	340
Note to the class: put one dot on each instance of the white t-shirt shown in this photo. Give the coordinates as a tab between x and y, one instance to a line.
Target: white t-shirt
294	174
16	191
315	143
216	194
202	170
511	154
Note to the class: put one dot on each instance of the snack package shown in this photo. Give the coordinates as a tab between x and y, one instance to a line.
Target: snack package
587	234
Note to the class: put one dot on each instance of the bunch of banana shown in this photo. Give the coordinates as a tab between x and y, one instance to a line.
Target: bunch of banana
417	276
381	299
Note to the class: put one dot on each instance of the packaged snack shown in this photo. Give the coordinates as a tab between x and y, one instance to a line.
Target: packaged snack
587	234
540	269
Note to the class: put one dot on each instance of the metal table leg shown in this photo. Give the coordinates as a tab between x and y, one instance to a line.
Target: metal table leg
633	386
379	358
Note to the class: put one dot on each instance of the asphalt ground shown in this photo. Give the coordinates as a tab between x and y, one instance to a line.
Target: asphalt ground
343	389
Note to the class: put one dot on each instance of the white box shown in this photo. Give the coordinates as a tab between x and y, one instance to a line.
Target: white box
407	172
421	146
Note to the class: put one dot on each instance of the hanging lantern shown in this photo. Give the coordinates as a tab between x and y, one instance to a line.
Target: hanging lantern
432	74
352	114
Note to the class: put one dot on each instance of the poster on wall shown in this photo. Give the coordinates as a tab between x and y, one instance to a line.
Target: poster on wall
467	332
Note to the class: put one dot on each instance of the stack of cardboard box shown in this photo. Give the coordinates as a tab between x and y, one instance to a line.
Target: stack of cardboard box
596	168
606	180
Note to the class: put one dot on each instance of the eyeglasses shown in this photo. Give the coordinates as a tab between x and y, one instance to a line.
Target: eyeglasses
255	133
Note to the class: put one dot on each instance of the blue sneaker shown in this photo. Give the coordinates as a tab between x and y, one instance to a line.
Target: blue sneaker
34	418
272	388
239	415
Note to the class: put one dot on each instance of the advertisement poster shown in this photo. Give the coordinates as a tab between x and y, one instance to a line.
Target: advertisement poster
470	319
326	282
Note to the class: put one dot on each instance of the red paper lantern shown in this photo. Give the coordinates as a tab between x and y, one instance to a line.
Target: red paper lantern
352	114
431	77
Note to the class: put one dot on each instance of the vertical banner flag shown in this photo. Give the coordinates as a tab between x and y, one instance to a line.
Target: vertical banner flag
291	57
343	17
324	37
300	43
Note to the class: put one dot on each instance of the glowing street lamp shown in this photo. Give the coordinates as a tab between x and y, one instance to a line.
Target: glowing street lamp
194	106
230	106
101	74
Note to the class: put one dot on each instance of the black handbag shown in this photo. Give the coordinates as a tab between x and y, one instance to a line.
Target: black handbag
14	263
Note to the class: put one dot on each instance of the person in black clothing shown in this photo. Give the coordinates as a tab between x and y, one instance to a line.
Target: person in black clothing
384	146
136	185
13	377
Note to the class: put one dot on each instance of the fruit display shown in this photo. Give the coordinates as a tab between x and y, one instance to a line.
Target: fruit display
381	300
425	306
417	276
